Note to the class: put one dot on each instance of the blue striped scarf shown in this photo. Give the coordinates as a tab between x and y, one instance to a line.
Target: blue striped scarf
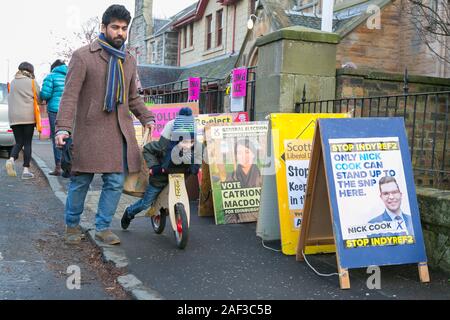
115	87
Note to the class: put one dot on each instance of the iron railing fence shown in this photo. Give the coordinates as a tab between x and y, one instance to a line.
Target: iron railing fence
212	96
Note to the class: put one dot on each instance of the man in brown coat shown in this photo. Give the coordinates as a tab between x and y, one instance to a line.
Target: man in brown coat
95	110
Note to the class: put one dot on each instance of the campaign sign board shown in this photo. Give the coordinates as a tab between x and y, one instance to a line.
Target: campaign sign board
366	167
235	156
206	207
291	140
218	118
239	84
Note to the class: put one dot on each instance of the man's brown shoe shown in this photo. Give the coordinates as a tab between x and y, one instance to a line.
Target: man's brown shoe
107	237
73	235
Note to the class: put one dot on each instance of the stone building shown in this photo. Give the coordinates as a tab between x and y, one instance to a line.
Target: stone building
162	45
201	40
215	29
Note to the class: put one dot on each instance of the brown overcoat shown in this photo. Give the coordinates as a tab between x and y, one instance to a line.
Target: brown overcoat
98	135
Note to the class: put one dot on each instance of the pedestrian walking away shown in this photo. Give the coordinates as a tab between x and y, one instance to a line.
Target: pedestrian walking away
24	90
52	91
100	92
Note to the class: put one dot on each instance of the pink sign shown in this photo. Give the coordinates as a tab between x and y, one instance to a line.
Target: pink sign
239	82
162	116
45	134
194	89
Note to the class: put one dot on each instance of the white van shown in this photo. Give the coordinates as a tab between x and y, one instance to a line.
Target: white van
6	133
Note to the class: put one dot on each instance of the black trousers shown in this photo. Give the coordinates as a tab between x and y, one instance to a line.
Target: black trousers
23	133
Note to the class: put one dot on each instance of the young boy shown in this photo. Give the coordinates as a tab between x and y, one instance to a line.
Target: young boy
179	150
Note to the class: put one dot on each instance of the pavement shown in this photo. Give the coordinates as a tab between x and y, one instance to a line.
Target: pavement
35	264
230	262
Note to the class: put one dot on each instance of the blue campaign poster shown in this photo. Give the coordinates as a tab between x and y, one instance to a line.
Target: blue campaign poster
376	218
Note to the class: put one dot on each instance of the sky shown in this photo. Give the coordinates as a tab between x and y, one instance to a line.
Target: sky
33	28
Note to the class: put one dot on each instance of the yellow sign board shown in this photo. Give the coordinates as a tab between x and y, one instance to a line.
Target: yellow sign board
292	136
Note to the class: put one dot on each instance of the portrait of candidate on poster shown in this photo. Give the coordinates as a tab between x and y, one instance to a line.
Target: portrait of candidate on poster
371	192
236	156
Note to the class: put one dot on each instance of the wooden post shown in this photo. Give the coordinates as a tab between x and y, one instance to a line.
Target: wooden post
344	278
423	272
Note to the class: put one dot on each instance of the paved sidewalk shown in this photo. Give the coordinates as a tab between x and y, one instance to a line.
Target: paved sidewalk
43	156
34	261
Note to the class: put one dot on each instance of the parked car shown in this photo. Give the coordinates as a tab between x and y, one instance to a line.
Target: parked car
6	133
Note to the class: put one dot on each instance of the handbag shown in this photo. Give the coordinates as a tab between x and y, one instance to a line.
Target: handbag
66	158
37	111
136	183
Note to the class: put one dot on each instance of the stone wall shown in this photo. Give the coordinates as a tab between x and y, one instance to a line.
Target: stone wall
137	39
141	27
171	51
369	83
434	206
378	48
414	53
396	45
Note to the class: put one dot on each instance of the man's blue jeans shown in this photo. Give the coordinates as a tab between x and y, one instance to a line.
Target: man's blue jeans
150	195
56	151
109	199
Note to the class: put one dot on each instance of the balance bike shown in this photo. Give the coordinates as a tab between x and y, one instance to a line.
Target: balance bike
173	201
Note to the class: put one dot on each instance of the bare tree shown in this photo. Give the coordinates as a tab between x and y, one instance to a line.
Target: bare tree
432	21
89	32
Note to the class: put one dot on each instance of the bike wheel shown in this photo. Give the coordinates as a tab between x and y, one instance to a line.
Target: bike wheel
159	221
182	228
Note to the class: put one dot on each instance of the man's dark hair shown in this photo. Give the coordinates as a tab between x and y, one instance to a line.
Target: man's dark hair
385	180
26	66
57	63
116	12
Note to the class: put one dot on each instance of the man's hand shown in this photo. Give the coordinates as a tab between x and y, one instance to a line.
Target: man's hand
151	127
59	139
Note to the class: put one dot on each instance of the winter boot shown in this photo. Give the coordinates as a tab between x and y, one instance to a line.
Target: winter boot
107	237
57	171
73	235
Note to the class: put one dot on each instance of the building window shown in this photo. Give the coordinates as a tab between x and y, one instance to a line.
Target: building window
208	32
185	37
154	52
191	41
219	27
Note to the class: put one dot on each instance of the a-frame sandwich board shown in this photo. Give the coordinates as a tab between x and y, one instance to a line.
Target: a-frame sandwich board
332	211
